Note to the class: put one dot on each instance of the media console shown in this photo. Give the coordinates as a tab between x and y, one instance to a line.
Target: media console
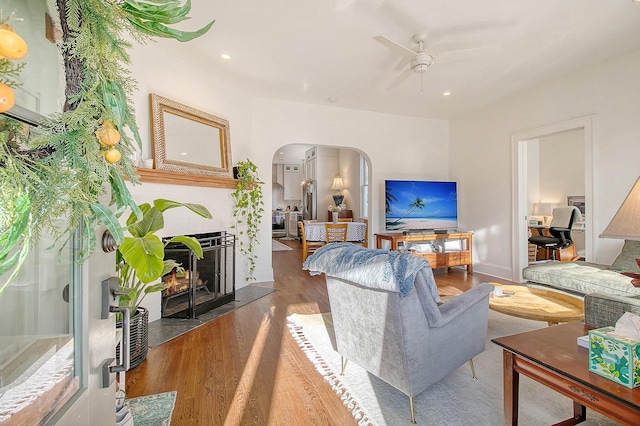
441	250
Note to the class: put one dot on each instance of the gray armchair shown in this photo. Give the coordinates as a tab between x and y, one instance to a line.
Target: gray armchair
404	337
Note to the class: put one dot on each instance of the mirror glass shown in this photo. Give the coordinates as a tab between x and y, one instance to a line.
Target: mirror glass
43	77
188	140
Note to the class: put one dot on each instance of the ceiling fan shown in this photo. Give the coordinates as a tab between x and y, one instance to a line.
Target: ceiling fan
419	61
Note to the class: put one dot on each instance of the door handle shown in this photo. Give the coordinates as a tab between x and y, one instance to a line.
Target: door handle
111	292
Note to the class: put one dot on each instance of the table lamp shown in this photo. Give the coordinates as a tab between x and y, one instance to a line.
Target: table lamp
626	225
543	209
338	186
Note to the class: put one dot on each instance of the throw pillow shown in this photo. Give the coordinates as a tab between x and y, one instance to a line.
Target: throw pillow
626	261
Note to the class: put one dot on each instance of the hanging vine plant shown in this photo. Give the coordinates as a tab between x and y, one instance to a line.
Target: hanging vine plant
62	169
248	207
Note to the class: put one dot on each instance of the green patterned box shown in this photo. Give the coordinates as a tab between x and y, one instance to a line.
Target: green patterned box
614	358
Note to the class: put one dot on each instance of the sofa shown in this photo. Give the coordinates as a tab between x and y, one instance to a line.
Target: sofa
388	320
608	293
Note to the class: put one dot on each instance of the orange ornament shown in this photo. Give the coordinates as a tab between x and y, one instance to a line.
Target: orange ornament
12	46
7	98
108	135
113	155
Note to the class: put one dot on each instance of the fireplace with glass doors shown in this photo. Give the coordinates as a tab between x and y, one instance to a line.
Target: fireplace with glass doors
200	285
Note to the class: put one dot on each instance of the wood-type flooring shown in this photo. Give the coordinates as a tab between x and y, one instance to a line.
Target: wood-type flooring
244	368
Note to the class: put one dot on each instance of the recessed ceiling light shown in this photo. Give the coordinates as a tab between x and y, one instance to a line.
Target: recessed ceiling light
332	100
446	93
183	153
225	56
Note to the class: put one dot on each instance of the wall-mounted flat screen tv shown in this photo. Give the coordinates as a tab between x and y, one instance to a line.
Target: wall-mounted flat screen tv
420	205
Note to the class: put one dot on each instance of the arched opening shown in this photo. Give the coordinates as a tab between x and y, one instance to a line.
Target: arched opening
296	166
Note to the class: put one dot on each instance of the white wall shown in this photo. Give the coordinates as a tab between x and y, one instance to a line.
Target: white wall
399	147
481	153
259	127
561	166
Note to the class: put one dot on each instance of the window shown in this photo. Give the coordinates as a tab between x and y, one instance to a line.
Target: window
364	187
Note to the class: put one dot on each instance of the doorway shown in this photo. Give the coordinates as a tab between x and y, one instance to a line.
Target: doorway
521	148
319	165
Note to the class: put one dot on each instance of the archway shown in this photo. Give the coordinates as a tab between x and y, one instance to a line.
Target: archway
353	165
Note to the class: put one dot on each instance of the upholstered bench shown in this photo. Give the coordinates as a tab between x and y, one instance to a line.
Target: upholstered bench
608	293
583	278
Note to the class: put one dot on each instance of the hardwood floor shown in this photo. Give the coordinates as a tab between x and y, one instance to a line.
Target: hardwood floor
245	368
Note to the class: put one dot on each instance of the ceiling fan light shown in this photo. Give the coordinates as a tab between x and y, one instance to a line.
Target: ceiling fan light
420	68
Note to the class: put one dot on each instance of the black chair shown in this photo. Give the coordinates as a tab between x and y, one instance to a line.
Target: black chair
560	230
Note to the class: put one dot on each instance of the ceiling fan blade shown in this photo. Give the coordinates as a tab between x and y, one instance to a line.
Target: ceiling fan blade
396	47
402	77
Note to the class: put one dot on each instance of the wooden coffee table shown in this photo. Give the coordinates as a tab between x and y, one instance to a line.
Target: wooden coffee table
537	304
552	357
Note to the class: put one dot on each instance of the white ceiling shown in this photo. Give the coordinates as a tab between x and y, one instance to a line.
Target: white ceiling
314	50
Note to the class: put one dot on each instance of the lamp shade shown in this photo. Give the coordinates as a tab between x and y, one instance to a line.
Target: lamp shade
543	209
337	184
626	222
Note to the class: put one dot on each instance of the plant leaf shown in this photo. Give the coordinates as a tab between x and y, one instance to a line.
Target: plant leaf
160	30
155	288
10	237
21	257
190	242
122	195
151	222
145	255
109	220
163	205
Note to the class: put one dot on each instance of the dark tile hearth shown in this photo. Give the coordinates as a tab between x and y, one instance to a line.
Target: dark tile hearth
165	329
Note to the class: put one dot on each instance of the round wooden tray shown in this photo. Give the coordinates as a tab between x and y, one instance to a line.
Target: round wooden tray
538	304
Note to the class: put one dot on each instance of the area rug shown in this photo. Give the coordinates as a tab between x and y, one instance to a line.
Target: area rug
153	410
278	246
458	399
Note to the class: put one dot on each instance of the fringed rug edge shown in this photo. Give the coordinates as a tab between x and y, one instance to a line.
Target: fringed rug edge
325	370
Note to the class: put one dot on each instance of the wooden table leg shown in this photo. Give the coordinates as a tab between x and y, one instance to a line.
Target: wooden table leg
579	416
579	412
511	389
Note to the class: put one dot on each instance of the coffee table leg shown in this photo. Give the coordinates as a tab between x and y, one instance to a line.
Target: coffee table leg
511	389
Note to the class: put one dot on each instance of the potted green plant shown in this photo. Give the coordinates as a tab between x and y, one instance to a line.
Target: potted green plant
140	263
247	210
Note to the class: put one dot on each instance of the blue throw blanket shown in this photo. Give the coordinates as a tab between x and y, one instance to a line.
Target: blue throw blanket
381	269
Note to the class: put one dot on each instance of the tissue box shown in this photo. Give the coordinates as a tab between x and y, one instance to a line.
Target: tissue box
617	359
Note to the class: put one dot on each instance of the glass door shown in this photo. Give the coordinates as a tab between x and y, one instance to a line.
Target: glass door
39	350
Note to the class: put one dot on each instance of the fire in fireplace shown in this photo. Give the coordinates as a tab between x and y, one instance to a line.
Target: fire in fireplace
200	284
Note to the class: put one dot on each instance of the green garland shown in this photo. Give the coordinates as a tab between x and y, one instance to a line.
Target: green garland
58	170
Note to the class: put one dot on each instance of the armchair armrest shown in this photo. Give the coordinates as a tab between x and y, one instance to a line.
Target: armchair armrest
602	310
460	304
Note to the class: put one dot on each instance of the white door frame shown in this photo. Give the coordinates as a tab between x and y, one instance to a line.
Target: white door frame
519	186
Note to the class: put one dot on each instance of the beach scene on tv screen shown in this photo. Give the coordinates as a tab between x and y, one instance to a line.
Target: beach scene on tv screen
420	205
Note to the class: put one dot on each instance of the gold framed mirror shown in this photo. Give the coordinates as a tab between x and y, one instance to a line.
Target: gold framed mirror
188	140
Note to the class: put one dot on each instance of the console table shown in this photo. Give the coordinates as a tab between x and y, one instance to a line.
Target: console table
442	258
341	214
